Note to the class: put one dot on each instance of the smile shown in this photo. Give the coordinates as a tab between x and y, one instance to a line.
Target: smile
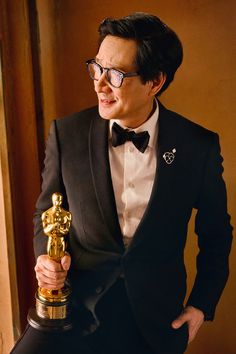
106	102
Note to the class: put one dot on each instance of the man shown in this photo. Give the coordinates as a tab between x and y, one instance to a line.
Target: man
131	172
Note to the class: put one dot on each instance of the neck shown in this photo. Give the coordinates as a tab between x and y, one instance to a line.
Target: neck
138	122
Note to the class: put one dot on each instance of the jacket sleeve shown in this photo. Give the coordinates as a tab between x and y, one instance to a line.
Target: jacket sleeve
212	225
52	182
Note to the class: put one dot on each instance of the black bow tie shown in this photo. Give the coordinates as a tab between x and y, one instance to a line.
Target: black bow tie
120	136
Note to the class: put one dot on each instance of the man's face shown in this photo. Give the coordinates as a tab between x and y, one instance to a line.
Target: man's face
133	101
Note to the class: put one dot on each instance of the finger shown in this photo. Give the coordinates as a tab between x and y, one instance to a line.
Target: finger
51	278
48	282
45	262
192	333
49	285
194	328
54	276
191	337
179	321
66	261
49	273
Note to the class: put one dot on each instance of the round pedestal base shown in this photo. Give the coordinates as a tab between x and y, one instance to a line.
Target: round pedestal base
48	325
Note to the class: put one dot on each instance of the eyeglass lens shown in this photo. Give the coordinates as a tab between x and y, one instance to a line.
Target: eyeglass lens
113	76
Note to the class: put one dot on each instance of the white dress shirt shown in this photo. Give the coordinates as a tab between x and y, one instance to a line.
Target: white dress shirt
133	175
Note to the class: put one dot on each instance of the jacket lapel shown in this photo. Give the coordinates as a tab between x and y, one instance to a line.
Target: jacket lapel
168	151
160	199
100	167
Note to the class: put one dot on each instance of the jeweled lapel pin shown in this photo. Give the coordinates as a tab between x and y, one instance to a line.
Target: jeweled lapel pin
169	156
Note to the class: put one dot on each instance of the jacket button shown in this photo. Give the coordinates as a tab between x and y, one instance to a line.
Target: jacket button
99	289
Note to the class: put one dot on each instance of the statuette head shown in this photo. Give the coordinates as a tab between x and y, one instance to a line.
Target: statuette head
57	199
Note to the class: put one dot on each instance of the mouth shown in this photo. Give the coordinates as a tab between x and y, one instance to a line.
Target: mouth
106	102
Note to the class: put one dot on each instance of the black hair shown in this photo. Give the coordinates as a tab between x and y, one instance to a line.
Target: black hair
159	48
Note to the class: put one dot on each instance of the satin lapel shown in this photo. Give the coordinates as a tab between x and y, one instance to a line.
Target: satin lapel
168	147
160	198
100	167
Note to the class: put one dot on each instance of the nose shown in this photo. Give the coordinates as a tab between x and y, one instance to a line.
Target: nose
102	84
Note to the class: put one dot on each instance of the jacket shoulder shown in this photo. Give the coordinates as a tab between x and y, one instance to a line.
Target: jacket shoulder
191	126
188	131
83	117
75	126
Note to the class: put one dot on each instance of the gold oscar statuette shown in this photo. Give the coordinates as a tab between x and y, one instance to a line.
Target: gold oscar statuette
52	312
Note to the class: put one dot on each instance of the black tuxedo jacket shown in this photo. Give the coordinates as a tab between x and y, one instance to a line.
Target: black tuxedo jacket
77	165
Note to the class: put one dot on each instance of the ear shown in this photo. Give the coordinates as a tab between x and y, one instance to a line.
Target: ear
157	84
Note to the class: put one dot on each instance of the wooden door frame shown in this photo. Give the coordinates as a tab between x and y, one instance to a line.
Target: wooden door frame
9	304
21	152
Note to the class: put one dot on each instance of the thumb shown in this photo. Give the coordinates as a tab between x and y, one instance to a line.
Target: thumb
179	321
66	261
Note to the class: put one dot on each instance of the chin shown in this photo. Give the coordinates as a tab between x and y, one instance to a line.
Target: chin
106	113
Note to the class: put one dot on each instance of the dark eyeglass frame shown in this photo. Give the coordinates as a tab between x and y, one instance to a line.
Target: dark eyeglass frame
107	70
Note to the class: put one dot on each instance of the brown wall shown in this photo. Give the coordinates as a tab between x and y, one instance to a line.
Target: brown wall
203	90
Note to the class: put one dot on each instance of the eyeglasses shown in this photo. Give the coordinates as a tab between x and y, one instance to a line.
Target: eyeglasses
114	77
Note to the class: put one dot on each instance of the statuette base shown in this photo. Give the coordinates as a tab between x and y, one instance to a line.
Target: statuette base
48	324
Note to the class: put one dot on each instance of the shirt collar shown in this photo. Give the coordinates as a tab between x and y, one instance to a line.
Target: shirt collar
150	125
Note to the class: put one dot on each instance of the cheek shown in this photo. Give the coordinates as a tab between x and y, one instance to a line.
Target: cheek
129	99
131	94
125	95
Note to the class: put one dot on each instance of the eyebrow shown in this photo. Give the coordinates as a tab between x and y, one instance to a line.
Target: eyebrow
111	66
